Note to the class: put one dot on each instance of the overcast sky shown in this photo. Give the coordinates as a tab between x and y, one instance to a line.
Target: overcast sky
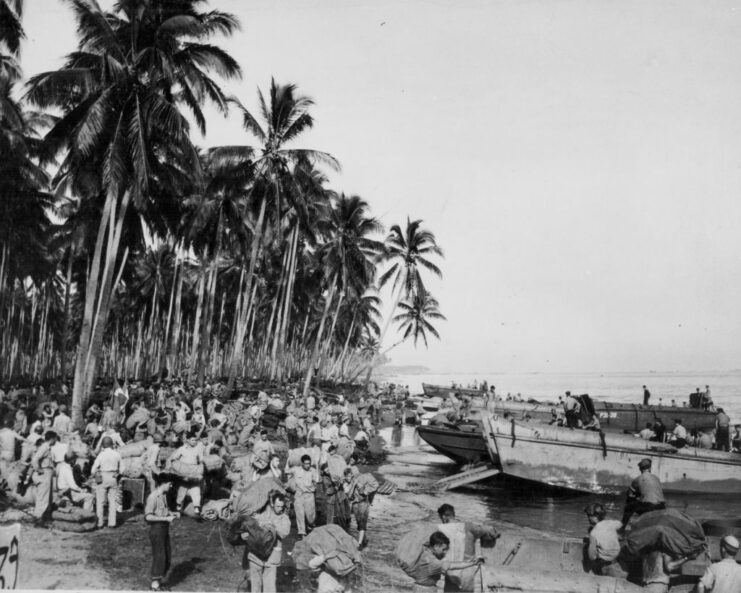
578	161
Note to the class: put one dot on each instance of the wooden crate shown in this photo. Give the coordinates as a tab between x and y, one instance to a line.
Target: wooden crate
134	492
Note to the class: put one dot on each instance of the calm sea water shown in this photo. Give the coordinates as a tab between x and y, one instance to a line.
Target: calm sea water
413	462
725	387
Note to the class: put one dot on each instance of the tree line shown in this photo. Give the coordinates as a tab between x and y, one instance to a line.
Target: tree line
126	250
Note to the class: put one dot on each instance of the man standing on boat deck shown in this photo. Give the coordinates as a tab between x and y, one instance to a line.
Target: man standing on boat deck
645	493
723	576
571	409
646	395
722	431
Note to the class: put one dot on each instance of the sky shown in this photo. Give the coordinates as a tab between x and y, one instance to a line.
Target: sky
577	160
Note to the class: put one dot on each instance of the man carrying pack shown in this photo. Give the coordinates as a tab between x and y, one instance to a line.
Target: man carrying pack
464	580
432	564
360	490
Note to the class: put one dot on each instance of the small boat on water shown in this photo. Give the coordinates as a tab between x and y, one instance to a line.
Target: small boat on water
443	391
463	443
604	463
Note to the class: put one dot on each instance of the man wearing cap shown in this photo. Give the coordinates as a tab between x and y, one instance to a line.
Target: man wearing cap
723	576
645	493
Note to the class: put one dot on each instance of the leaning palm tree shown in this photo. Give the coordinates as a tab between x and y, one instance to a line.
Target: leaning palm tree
285	117
122	133
414	318
407	254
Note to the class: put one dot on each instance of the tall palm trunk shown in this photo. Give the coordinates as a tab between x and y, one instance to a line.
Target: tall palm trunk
207	323
328	342
66	320
97	300
174	346
318	341
238	348
166	337
341	360
194	351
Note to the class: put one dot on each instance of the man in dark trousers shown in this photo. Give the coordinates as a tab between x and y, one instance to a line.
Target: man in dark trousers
646	395
722	431
645	493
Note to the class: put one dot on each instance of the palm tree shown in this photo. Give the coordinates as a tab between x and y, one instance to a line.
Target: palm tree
407	253
125	138
285	117
11	31
415	316
363	312
347	257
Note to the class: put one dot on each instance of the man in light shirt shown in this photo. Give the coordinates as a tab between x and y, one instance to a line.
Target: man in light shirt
679	435
305	478
43	468
262	444
647	433
604	542
62	422
8	437
67	486
723	576
108	465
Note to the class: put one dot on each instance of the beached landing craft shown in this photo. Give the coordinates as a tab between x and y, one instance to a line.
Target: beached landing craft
587	461
464	442
443	391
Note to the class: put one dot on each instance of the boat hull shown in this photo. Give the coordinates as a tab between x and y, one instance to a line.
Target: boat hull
617	417
442	391
462	446
576	459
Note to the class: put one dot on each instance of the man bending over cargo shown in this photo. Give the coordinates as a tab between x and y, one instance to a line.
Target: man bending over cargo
464	580
432	563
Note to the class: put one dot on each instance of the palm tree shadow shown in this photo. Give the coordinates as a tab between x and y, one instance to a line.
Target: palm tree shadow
182	570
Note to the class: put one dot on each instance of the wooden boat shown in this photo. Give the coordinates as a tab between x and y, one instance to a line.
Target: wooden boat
463	443
588	461
443	391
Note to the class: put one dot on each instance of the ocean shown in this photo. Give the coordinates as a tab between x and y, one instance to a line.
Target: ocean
725	386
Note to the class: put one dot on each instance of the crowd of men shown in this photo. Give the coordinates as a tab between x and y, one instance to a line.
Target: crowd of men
182	426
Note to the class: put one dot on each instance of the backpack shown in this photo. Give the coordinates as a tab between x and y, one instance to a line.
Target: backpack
335	544
411	545
260	541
